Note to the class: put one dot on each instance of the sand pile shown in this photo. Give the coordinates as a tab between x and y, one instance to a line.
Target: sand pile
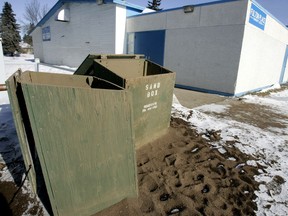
182	174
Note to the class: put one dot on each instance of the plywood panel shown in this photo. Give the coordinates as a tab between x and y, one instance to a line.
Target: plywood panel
85	144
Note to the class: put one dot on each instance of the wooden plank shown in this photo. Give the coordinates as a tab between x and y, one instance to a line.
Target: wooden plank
84	138
14	97
126	68
152	101
54	79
